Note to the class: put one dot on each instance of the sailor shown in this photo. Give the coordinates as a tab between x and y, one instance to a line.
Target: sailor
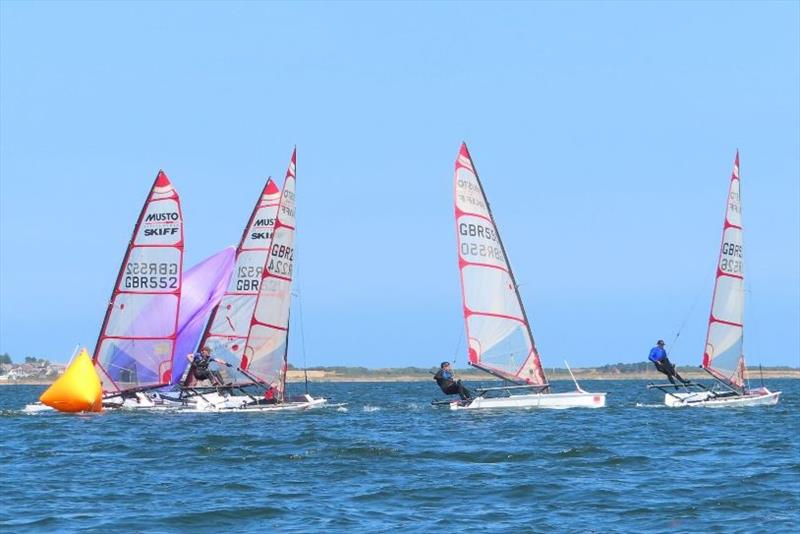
449	385
269	395
659	358
199	368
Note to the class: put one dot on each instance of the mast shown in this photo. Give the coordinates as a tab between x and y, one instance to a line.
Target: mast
723	356
285	367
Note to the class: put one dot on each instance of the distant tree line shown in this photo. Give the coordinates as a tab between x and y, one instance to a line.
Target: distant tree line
6	358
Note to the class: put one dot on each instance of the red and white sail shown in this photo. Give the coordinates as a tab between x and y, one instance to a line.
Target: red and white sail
498	333
227	330
136	343
267	340
724	356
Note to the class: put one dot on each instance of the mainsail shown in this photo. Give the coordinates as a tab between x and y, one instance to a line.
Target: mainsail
203	287
267	339
227	330
723	355
499	335
135	349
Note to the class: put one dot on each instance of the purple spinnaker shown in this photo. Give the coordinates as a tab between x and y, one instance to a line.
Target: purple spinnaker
203	287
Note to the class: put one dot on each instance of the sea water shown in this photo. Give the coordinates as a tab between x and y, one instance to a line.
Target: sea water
389	461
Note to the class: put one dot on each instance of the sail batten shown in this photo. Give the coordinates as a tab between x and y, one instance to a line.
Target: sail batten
723	356
135	347
499	335
226	332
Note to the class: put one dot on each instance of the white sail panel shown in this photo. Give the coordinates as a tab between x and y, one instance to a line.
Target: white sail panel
130	363
469	195
491	291
724	343
267	340
723	355
152	270
497	329
731	258
226	333
162	224
733	213
127	316
260	231
500	343
281	254
266	350
233	316
479	242
728	299
277	291
136	344
248	272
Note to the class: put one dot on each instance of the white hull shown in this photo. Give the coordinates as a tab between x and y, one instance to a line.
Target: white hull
758	397
209	402
138	401
240	403
575	399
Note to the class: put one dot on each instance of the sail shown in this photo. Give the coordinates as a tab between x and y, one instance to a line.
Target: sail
267	339
203	287
723	355
135	349
226	332
498	333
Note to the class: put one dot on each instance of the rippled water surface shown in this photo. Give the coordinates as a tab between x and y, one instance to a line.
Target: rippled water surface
390	461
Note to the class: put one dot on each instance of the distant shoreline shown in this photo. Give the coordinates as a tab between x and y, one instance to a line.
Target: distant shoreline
296	377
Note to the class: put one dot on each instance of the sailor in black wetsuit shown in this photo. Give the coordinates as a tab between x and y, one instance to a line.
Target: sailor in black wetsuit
199	368
447	382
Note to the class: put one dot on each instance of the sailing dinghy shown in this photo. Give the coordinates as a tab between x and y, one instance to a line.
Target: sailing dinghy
500	341
249	328
157	311
144	327
723	358
134	350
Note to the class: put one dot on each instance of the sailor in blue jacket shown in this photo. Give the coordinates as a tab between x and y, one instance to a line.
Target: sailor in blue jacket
659	357
446	380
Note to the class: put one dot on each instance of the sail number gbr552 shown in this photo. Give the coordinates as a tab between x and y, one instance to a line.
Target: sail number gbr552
160	275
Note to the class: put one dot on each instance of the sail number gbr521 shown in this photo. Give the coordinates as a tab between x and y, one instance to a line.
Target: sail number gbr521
140	275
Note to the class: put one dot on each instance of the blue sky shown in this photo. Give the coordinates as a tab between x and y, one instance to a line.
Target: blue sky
604	134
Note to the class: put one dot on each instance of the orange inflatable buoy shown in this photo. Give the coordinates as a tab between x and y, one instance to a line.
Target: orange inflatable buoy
78	389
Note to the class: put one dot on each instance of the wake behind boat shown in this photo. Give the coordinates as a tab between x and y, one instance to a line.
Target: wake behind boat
500	341
723	358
